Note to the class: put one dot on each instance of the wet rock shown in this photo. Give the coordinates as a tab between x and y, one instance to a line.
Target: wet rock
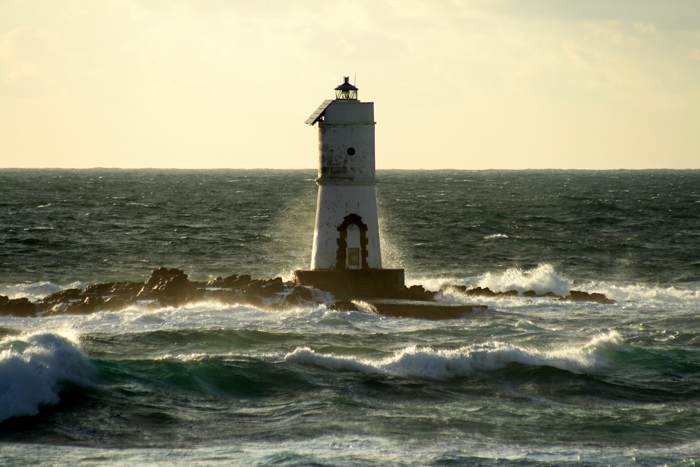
126	290
99	289
480	292
299	296
172	287
116	303
578	296
64	296
20	307
343	305
169	287
161	279
509	293
550	295
87	306
271	287
234	281
530	293
418	292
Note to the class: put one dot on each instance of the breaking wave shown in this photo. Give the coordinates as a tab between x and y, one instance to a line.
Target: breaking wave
32	369
541	279
35	290
425	362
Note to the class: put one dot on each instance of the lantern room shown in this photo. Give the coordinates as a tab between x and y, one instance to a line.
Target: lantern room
346	90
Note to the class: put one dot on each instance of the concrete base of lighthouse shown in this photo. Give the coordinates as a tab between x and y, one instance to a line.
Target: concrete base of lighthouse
383	290
349	284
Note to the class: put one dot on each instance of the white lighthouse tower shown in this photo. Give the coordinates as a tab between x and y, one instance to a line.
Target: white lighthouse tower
346	235
346	250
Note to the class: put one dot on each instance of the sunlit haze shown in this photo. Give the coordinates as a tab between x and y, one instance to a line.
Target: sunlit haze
470	84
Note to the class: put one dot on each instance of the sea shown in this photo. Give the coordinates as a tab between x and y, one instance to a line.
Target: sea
530	381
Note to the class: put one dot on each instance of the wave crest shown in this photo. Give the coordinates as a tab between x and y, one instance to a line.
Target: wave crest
32	369
541	279
425	362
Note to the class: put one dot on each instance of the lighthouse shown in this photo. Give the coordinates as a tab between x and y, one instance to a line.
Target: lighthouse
346	234
346	254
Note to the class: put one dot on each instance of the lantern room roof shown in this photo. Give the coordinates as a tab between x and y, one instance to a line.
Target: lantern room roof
346	86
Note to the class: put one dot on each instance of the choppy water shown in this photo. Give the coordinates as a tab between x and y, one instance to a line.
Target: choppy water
526	383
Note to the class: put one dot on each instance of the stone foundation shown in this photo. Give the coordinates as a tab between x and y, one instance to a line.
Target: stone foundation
348	284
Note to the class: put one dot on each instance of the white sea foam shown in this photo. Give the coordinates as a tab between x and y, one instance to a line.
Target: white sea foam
641	293
541	279
495	236
32	369
425	362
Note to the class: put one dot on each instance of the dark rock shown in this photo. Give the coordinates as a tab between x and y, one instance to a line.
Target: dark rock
343	305
169	287
3	300
20	307
480	292
89	305
233	281
578	296
64	296
251	299
99	289
161	278
456	288
254	286
509	293
530	293
299	296
126	289
116	303
551	295
418	292
271	287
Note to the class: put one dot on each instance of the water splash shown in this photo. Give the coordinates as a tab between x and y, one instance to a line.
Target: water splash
34	366
541	279
426	362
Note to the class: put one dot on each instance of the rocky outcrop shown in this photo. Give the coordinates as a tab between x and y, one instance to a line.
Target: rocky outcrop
172	287
574	295
343	305
21	307
165	287
578	296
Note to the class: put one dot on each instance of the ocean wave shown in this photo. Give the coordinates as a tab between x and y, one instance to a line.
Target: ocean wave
34	290
541	279
644	293
426	362
32	369
495	236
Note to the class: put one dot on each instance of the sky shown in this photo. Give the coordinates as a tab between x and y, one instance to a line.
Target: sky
473	84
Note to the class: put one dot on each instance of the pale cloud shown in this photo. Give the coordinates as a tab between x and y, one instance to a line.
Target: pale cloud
645	28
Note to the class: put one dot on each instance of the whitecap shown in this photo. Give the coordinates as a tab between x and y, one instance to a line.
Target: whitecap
34	290
541	279
643	293
495	236
441	364
32	369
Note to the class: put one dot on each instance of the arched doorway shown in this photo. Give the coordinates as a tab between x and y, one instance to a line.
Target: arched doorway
352	244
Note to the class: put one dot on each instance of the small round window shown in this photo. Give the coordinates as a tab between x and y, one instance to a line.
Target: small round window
351	151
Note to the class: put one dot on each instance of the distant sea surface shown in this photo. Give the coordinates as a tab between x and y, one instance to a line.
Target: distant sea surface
529	382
